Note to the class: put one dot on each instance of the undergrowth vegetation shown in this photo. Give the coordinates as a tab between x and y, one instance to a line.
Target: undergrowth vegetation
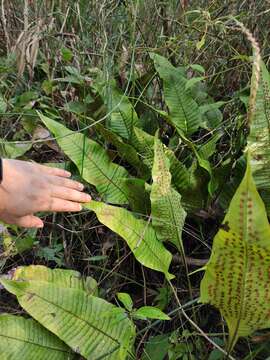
162	109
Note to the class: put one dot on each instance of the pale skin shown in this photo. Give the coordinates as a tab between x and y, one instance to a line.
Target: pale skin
28	188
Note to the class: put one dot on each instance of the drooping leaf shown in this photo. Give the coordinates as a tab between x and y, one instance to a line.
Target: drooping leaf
184	111
236	280
168	215
139	235
92	161
58	277
76	318
259	137
26	339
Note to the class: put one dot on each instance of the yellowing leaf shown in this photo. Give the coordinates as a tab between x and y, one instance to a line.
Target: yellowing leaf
259	137
168	215
139	235
57	277
237	275
76	318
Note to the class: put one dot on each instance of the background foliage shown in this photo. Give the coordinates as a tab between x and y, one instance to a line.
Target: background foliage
113	72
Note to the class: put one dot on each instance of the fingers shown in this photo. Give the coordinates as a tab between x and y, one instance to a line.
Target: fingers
67	183
29	221
61	205
70	194
54	171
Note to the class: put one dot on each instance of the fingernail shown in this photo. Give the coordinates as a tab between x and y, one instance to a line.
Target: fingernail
79	207
87	197
81	186
67	173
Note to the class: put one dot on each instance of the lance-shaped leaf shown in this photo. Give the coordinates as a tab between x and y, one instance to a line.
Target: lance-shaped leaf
236	280
139	235
84	322
57	277
92	161
259	137
26	339
168	215
184	111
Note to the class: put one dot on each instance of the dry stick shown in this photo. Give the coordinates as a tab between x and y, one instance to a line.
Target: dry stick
4	22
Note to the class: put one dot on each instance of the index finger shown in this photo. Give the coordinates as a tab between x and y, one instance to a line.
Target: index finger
54	171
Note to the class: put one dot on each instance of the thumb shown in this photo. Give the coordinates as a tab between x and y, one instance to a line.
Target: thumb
29	221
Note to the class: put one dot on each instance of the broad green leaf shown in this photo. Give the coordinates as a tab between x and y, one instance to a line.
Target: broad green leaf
236	280
139	235
123	116
26	339
125	300
150	312
259	137
57	277
168	215
76	318
92	162
184	111
13	150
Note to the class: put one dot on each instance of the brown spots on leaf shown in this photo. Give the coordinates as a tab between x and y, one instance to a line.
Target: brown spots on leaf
225	226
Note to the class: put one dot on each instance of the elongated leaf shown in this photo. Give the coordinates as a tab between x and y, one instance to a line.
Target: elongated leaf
57	277
123	116
76	318
139	235
92	161
184	111
168	215
26	339
237	275
259	137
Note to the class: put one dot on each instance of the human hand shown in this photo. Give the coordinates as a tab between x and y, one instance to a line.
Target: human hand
28	188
